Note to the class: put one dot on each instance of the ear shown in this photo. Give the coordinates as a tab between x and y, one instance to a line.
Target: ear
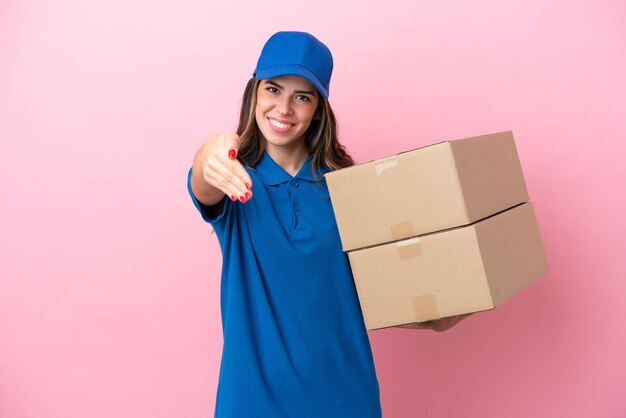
317	116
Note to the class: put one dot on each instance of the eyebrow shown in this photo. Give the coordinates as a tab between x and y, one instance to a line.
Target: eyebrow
275	84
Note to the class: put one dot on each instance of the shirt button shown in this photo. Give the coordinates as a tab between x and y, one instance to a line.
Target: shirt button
296	207
294	183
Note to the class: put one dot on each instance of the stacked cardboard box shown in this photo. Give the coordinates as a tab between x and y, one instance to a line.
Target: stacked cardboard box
442	230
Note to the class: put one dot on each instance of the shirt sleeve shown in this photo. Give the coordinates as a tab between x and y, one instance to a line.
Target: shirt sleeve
203	209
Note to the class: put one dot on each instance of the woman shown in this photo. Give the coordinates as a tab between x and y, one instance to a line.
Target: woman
295	344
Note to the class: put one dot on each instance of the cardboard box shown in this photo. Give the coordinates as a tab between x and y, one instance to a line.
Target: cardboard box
440	186
461	270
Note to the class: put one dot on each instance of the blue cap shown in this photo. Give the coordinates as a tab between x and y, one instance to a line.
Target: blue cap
297	53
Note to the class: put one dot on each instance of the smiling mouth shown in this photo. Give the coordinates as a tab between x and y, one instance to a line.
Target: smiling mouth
280	125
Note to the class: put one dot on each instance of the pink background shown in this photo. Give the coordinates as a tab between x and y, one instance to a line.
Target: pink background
109	291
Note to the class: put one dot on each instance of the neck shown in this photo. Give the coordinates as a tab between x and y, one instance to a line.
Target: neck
290	158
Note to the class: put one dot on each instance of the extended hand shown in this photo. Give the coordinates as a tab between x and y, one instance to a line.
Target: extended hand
222	170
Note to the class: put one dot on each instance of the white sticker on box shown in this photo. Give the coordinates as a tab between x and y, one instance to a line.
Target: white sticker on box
410	241
383	166
409	248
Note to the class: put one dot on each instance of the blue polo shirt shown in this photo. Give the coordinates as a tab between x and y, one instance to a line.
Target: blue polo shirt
295	345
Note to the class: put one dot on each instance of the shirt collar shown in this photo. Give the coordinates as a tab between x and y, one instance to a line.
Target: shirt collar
273	174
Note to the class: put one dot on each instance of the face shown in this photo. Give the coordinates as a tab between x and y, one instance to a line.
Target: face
285	108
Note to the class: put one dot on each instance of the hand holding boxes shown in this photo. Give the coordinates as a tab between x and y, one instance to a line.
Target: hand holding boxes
442	230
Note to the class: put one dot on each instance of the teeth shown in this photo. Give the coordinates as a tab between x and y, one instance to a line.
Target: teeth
279	125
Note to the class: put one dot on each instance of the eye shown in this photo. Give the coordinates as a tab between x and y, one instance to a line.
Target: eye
272	89
303	98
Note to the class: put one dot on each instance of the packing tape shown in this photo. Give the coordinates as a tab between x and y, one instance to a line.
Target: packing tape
383	166
409	248
402	230
425	306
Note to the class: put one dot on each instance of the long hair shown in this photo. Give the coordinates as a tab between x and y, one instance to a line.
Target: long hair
321	138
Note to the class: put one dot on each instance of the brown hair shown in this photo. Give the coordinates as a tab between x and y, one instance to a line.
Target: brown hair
321	138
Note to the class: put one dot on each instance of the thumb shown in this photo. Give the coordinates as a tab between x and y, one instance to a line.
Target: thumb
232	143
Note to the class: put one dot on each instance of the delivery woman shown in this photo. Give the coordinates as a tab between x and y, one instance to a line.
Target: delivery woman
295	345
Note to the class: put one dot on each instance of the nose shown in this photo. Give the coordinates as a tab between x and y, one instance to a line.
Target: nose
284	106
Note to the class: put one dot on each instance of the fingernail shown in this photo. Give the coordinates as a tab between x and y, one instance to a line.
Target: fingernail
247	195
233	198
248	186
232	153
242	199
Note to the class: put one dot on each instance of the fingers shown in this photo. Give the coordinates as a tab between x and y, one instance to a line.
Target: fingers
416	325
439	325
229	176
222	170
232	143
445	324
